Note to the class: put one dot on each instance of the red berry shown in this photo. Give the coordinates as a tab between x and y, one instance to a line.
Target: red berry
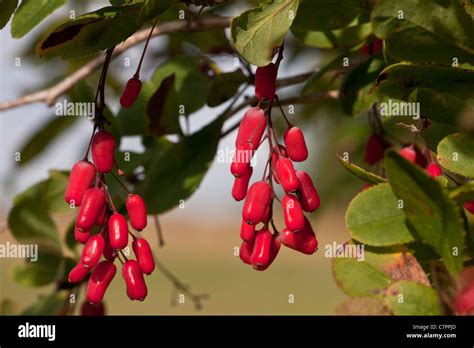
103	217
420	158
80	179
409	153
434	170
469	206
88	309
464	302
303	241
268	214
241	163
265	81
295	144
99	281
136	209
251	128
144	255
257	200
78	273
374	149
133	276
292	213
286	174
372	48
118	231
81	236
91	207
247	232
266	247
239	190
309	196
130	93
109	252
275	156
103	151
245	251
92	251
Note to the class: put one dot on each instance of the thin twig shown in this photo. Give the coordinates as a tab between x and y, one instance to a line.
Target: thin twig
159	231
51	94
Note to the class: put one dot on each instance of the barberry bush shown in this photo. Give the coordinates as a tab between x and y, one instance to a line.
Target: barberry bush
389	84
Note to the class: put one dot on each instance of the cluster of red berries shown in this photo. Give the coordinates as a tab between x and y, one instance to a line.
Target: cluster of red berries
260	246
102	229
375	149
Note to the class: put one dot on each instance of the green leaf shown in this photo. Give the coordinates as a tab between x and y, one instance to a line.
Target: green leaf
30	13
429	32
42	272
69	238
400	80
374	218
190	85
411	298
186	164
52	197
256	33
363	306
152	9
361	173
30	223
428	209
436	132
358	278
91	32
48	305
211	41
163	109
7	7
340	38
326	15
463	193
225	86
456	154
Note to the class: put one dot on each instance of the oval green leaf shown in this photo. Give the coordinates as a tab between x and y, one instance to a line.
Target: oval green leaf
456	154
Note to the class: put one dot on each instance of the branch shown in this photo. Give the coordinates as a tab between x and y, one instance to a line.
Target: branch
51	94
310	98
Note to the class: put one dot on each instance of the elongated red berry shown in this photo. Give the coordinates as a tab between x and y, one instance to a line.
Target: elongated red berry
78	273
245	252
309	195
100	280
286	175
247	232
268	214
109	252
469	206
81	236
103	151
103	217
251	128
257	200
133	276
295	144
89	309
142	251
130	93
464	302
374	149
136	209
239	189
80	179
276	154
118	231
92	251
91	207
434	170
240	166
409	153
265	250
292	213
303	241
265	81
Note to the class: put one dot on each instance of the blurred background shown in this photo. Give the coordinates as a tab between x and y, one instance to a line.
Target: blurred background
202	236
